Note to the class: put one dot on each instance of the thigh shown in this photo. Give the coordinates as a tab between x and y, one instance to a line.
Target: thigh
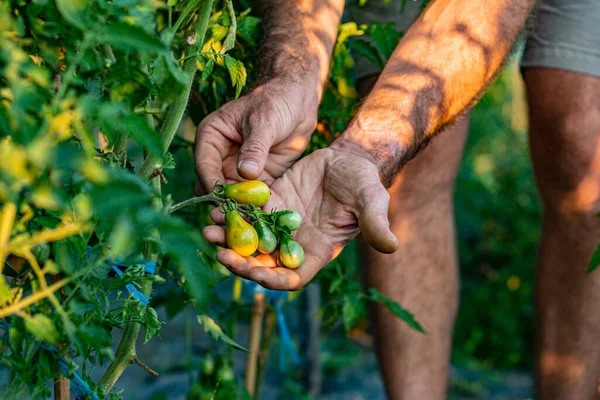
564	116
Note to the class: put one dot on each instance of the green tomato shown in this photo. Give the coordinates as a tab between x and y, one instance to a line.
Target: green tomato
291	254
226	374
267	242
289	218
208	365
249	192
241	236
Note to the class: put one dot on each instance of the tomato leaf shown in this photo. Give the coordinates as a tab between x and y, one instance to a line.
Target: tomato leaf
208	68
353	308
377	296
129	37
229	21
214	330
386	37
237	72
368	51
595	261
42	328
73	11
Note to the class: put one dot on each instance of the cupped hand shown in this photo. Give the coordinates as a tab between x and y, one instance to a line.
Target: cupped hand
258	136
338	192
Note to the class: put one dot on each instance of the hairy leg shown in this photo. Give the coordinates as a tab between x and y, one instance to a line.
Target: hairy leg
422	275
565	150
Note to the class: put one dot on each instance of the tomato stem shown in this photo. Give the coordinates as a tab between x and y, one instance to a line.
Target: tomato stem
195	200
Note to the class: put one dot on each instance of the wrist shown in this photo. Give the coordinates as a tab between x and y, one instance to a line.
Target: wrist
377	140
295	93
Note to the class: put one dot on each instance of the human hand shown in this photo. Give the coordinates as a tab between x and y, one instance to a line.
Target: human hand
258	136
338	192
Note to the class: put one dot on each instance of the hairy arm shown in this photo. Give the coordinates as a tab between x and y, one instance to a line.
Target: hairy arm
298	37
439	69
260	135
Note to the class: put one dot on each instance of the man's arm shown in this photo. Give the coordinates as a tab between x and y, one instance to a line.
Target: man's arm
260	135
440	67
298	37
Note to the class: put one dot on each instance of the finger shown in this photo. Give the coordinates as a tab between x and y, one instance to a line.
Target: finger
284	278
212	147
216	214
373	221
259	135
215	235
242	266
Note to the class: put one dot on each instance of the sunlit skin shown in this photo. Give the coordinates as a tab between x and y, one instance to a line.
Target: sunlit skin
332	212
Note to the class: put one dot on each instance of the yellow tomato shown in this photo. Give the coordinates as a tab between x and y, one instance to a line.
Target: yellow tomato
241	236
249	192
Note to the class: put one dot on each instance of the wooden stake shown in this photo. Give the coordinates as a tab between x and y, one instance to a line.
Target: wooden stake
62	387
265	347
258	312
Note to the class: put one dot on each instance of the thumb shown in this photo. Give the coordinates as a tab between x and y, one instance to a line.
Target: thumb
252	156
373	221
258	134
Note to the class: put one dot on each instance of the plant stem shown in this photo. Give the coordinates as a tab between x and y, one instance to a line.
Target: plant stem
177	109
194	200
125	354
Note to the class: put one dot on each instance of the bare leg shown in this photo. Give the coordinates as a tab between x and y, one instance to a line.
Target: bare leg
422	275
565	149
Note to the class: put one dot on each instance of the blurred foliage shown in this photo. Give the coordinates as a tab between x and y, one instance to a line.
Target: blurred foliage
498	225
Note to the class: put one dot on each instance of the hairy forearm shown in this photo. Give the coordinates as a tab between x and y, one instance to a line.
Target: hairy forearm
440	67
298	37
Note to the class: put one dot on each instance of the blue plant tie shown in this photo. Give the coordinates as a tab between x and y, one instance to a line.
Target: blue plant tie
79	387
149	267
131	288
286	344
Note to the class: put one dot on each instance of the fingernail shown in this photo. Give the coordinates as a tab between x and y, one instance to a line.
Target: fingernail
250	167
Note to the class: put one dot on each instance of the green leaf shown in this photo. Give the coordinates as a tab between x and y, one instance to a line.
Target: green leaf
140	130
231	25
237	72
122	238
128	37
116	120
42	328
122	192
395	308
595	261
208	68
73	11
353	309
152	324
386	37
247	29
368	51
214	330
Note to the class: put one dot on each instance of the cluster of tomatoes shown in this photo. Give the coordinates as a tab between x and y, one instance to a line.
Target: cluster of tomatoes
250	229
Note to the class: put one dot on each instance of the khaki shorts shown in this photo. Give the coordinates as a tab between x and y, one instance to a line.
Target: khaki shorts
562	34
